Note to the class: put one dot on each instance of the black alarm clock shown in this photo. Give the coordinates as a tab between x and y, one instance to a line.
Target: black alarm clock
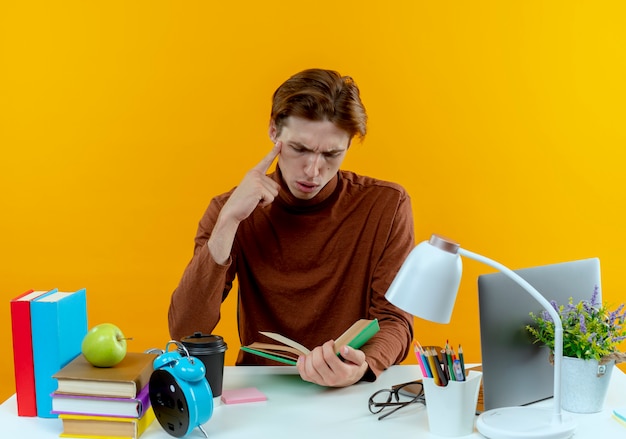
179	392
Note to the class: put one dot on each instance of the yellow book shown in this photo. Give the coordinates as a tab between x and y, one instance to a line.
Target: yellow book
105	427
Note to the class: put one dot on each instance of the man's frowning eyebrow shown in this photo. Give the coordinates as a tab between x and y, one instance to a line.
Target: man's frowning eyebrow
302	146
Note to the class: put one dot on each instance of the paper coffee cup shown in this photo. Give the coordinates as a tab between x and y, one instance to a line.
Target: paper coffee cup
210	350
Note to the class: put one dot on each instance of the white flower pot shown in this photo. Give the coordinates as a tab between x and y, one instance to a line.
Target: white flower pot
584	384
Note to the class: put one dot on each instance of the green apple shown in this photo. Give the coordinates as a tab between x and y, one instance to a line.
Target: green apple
104	345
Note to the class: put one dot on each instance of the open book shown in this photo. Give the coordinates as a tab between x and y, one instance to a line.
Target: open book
288	352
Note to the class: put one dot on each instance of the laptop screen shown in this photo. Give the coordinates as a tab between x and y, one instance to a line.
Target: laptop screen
516	371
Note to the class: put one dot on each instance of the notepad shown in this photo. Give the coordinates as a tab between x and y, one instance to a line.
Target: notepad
240	396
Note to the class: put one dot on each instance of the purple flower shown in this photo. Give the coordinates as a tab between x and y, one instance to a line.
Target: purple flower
613	316
590	329
546	316
583	327
554	305
594	296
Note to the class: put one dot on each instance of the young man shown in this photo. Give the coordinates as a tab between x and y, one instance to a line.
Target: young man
314	248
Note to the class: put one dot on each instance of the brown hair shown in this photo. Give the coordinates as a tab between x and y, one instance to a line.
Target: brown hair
318	95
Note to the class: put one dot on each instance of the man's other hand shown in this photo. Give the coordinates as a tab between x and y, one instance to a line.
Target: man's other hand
322	366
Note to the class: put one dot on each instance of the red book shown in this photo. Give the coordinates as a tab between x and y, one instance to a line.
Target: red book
23	352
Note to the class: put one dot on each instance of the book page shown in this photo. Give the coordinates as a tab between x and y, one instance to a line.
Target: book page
286	341
284	354
55	297
30	296
277	349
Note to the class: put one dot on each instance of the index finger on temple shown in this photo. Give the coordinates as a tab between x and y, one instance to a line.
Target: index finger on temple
267	161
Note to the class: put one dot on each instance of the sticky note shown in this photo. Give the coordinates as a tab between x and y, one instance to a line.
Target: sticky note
239	396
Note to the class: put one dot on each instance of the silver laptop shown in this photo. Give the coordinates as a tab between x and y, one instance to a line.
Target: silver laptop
516	371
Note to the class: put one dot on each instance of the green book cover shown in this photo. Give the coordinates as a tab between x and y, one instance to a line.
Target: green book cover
264	354
361	336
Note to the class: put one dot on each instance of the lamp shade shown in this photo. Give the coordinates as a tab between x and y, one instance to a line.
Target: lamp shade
427	282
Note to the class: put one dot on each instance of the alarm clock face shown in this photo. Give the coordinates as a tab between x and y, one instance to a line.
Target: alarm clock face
169	403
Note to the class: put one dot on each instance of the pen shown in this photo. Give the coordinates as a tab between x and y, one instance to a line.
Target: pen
462	361
458	371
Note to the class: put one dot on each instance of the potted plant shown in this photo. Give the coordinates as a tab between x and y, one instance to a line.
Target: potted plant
590	330
591	338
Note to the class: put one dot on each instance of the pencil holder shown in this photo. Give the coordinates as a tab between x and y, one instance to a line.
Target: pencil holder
451	409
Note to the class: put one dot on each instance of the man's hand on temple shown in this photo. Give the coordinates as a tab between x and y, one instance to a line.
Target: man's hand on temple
256	189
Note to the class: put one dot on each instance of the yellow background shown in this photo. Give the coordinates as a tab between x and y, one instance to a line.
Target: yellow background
120	119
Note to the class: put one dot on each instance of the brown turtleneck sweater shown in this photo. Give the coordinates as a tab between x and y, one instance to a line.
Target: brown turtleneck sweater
307	269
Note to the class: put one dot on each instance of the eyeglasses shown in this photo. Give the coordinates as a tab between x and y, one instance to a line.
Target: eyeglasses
398	396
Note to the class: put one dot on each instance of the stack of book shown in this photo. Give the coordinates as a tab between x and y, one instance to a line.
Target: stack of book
105	402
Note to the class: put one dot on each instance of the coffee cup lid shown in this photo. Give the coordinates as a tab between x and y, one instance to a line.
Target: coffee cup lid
200	341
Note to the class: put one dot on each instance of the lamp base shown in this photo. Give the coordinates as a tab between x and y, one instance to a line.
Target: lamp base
524	423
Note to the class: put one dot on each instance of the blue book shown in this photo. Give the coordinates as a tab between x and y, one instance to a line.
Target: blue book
58	324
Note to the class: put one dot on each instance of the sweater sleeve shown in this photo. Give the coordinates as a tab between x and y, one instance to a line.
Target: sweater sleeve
392	343
195	303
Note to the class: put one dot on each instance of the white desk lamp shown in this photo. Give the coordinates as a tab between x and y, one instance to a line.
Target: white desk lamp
426	286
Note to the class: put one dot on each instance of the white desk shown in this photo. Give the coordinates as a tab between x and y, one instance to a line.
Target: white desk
296	409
